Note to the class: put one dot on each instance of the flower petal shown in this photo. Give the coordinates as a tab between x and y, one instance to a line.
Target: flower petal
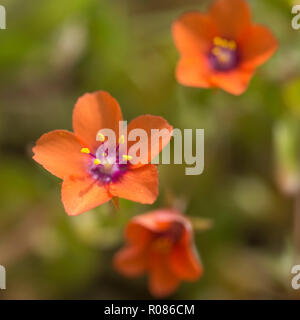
131	261
258	46
159	220
234	82
137	233
59	152
139	185
232	17
194	72
193	33
95	111
162	281
155	145
81	194
184	262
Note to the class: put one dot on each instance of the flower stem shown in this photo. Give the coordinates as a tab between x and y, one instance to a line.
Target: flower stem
115	206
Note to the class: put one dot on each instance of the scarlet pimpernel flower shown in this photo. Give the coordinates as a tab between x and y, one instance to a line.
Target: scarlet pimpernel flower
222	48
160	243
92	175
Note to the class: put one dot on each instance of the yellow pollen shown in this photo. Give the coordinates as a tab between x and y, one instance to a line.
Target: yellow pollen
100	137
218	41
232	45
126	157
104	154
97	161
122	139
85	150
223	43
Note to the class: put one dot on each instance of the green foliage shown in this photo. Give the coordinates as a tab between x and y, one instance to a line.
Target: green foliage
54	51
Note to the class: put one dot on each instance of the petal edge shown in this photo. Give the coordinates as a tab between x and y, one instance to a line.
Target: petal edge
58	152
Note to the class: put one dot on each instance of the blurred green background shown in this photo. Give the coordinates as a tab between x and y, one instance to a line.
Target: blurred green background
54	51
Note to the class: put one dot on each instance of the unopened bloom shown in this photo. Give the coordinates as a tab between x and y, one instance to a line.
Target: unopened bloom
221	48
161	244
90	175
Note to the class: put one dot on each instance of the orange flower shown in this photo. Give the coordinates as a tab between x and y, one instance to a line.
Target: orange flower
89	178
221	48
161	243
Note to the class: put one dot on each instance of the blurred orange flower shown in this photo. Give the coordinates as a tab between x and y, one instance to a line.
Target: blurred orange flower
89	178
160	243
221	48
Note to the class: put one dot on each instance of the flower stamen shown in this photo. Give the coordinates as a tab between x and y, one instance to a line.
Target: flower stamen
223	55
97	161
227	44
126	157
122	139
100	137
85	150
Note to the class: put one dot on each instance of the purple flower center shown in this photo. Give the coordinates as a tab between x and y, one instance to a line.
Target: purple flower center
224	55
105	165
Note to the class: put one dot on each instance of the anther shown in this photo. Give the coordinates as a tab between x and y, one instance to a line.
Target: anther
122	139
100	137
126	157
85	150
97	161
231	45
